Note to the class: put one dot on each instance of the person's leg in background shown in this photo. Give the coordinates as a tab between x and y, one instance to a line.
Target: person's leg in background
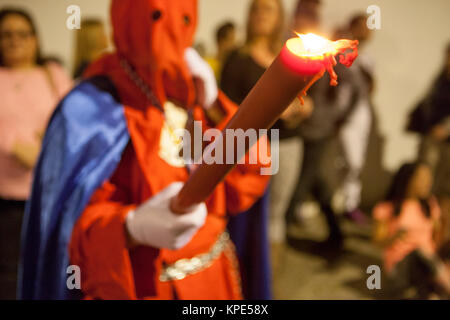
324	197
311	182
281	190
429	275
304	181
355	137
11	213
323	192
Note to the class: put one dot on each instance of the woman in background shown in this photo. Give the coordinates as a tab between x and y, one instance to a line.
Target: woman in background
91	42
408	229
246	65
241	71
29	91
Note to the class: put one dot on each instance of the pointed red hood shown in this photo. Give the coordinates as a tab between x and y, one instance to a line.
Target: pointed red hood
152	35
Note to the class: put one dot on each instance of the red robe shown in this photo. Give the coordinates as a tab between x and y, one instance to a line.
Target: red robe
110	270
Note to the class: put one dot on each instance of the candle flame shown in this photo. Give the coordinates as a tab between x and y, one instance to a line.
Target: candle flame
313	47
319	50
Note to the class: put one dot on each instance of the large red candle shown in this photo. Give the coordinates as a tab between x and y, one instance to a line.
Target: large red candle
302	61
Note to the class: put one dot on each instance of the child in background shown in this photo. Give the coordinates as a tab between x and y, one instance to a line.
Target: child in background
407	227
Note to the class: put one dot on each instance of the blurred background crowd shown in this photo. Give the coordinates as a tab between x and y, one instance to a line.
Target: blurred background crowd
364	173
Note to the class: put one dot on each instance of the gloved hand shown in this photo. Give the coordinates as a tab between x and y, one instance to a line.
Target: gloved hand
200	69
153	224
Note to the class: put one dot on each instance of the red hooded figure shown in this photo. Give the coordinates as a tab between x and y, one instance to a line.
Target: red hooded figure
110	242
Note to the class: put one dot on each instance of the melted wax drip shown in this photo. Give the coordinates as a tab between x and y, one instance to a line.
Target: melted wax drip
346	58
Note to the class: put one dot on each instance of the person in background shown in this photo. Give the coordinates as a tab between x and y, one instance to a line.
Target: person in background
91	43
353	97
245	65
306	17
431	119
29	91
226	43
316	132
408	228
242	70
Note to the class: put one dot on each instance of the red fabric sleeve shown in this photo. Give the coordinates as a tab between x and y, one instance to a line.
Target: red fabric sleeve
99	248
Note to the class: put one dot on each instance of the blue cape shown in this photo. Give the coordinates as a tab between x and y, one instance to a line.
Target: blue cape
82	148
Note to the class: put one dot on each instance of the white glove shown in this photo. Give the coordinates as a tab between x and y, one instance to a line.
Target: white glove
199	68
153	224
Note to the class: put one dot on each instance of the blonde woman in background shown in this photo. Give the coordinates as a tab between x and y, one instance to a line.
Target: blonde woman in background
91	42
